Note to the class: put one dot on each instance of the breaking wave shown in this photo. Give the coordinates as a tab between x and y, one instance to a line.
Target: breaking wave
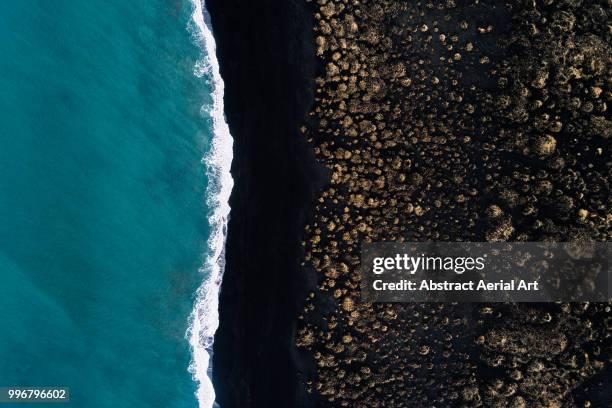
204	318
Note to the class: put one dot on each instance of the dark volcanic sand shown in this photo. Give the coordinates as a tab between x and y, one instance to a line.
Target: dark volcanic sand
266	57
447	120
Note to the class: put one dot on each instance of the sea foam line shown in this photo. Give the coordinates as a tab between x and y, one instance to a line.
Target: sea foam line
204	318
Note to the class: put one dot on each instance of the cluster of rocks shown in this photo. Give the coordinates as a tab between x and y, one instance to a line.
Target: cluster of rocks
456	120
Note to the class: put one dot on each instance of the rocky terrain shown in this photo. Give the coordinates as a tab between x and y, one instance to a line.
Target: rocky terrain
456	121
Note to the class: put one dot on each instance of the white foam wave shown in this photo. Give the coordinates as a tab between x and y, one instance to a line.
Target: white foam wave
204	318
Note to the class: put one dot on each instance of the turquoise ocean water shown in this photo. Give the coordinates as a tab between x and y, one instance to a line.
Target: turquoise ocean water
103	220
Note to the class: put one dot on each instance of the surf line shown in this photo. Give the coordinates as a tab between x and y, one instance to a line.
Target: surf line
204	319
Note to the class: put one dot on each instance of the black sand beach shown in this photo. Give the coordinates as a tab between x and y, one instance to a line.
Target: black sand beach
267	60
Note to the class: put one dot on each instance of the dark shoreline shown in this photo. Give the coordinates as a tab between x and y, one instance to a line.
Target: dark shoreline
268	64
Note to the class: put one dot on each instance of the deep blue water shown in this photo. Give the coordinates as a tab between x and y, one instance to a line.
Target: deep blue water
102	211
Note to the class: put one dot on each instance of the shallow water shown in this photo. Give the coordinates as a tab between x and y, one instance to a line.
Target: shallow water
102	212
